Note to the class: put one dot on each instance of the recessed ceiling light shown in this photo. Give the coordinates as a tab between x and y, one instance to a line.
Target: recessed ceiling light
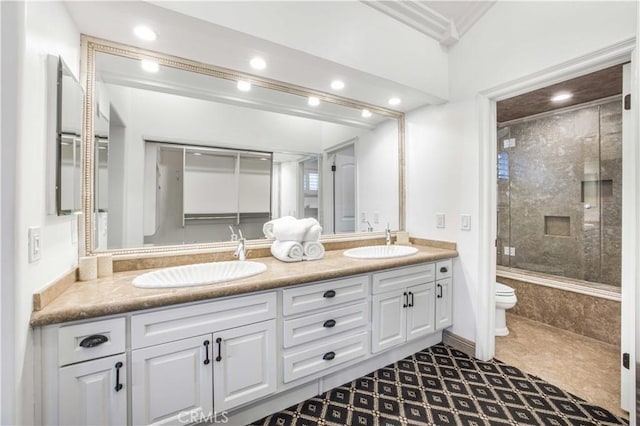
144	33
394	101
366	113
244	86
337	85
149	66
559	97
258	63
313	101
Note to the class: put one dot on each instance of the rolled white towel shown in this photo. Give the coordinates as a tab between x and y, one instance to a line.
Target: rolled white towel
313	233
290	230
267	228
287	251
313	250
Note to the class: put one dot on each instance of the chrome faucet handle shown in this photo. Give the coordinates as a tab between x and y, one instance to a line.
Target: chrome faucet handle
240	251
369	227
234	236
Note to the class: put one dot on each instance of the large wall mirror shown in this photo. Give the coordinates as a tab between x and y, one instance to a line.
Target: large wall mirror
181	154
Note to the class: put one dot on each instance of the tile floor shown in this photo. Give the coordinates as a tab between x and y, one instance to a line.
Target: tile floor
442	386
580	365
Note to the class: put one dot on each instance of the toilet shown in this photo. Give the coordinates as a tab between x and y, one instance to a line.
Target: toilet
505	299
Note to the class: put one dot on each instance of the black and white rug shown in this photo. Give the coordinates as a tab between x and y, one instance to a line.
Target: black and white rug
442	386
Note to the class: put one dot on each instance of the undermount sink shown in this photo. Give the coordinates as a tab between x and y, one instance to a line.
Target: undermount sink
199	274
380	252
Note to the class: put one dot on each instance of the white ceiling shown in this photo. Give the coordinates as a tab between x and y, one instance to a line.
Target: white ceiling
444	21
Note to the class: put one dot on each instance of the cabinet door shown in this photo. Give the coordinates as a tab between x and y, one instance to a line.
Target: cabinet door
88	395
244	364
444	303
389	320
172	383
420	313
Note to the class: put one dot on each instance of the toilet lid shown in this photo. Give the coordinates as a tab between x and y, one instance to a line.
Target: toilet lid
504	290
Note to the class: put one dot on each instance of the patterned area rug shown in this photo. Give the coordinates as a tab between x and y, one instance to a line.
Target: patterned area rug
442	386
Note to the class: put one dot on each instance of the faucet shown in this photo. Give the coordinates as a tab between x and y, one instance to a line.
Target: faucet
240	251
369	227
388	235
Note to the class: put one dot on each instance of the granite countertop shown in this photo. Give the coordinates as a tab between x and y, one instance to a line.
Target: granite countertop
117	295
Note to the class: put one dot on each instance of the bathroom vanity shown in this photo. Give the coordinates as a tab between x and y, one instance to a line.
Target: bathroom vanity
241	356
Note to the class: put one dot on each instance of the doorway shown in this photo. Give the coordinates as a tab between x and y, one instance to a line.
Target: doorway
341	212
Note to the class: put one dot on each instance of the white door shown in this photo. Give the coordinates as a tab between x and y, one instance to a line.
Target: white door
389	327
173	382
343	190
94	392
420	312
444	303
244	364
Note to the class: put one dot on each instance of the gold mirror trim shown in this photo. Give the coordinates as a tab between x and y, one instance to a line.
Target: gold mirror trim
91	45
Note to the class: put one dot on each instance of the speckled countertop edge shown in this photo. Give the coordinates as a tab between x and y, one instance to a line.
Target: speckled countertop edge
117	295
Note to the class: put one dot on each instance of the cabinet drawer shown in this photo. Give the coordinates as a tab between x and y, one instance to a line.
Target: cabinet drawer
325	355
324	295
443	269
401	278
101	338
325	324
178	323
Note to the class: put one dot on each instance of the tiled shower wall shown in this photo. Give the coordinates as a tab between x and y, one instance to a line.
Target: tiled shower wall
560	193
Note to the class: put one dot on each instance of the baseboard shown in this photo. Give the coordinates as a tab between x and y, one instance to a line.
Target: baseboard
459	343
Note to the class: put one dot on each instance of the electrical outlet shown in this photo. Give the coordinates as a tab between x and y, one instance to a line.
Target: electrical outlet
512	251
505	250
376	217
363	217
35	244
439	220
465	222
509	143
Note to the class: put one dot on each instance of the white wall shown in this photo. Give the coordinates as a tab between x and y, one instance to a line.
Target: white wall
48	29
445	160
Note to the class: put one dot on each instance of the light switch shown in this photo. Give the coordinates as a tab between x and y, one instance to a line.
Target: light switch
439	220
363	217
465	222
376	217
34	244
512	251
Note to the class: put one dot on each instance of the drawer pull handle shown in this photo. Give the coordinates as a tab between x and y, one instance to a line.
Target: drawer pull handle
439	296
206	352
329	323
219	342
329	356
92	341
329	294
411	303
443	269
406	300
118	387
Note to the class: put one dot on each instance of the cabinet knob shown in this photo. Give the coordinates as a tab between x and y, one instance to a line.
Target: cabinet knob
443	269
92	341
329	356
329	323
329	294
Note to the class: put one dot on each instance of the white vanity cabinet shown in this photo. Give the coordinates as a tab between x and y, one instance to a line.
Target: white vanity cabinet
181	376
325	326
85	371
405	305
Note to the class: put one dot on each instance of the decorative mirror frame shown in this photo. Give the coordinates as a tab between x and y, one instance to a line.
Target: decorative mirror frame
91	45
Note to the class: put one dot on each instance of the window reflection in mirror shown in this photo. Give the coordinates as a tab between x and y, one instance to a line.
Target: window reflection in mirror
187	155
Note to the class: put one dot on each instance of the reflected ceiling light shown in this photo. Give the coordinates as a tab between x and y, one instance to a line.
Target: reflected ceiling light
394	101
244	86
258	63
149	66
337	85
196	153
313	101
559	97
366	113
144	33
